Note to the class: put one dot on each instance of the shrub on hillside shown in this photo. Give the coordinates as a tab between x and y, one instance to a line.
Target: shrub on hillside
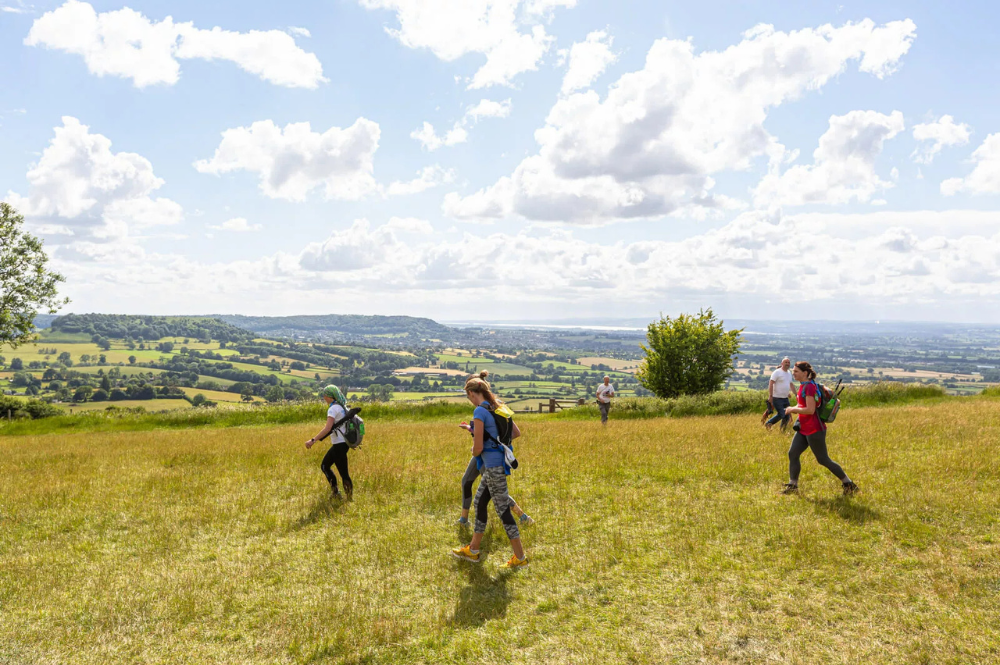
32	408
688	355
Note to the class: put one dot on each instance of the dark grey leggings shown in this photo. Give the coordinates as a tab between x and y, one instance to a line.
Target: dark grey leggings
817	442
471	473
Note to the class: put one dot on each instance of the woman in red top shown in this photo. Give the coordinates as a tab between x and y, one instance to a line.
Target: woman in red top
811	432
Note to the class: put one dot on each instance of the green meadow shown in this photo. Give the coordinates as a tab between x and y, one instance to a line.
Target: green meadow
656	540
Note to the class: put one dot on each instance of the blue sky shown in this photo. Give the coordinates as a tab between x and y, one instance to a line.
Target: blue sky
605	160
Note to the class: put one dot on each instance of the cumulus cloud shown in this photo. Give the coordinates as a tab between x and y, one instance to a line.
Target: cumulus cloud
830	262
844	164
125	43
985	177
650	146
427	177
430	140
95	195
938	134
294	160
508	32
484	108
356	248
587	60
237	224
763	254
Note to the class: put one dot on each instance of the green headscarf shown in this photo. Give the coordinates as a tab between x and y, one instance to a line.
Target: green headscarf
334	392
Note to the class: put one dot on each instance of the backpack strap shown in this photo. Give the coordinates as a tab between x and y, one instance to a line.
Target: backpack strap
337	425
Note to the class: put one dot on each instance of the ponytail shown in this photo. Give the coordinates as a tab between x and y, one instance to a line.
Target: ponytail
478	384
803	366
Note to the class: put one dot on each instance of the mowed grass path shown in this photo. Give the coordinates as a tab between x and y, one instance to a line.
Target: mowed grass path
656	541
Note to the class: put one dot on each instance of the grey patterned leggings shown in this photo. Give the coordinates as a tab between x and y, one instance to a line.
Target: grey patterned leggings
494	486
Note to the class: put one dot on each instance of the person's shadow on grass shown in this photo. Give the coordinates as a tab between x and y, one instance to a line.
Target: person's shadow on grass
843	507
323	507
485	597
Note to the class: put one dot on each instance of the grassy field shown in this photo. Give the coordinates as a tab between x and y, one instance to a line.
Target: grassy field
658	540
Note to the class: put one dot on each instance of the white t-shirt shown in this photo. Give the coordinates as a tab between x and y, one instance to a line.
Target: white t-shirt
605	393
336	412
782	382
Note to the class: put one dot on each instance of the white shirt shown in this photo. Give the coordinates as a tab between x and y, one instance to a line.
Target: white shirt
336	412
605	393
782	382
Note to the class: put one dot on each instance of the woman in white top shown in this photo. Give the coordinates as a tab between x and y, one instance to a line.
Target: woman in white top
337	455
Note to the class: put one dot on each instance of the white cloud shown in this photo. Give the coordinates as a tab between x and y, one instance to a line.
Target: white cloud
80	186
831	263
356	248
985	177
299	32
844	166
237	224
429	139
588	60
427	178
451	29
294	160
652	144
484	108
940	134
487	108
410	225
125	43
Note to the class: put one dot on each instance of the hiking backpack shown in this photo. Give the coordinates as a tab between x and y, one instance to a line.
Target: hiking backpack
828	401
354	428
504	419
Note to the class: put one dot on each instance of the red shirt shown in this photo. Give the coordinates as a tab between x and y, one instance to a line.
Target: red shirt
809	423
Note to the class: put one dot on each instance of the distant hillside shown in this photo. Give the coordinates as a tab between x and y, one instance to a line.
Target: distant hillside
348	327
150	328
43	321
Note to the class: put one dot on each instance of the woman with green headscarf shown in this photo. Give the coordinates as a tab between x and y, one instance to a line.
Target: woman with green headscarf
337	455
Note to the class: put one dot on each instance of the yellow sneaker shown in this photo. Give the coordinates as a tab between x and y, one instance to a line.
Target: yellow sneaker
514	562
465	553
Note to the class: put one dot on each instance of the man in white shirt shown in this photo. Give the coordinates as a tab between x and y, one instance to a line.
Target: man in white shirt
778	390
605	392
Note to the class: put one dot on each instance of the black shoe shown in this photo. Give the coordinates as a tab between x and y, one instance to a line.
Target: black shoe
790	489
850	489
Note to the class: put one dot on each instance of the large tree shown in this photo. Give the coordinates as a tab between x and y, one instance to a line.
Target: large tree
688	355
26	284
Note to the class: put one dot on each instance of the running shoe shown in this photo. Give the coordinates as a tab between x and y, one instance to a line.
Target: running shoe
526	521
466	554
790	489
850	489
462	521
514	562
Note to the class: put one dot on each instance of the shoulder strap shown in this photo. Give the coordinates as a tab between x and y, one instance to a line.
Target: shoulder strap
337	425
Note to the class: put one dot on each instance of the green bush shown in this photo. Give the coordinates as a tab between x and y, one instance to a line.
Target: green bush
992	391
31	408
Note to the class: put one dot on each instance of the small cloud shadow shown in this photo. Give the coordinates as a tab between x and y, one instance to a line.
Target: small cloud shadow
846	509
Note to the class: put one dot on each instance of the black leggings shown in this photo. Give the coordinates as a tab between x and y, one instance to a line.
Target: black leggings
337	456
817	442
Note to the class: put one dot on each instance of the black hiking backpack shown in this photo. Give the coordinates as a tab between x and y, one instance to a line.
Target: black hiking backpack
354	427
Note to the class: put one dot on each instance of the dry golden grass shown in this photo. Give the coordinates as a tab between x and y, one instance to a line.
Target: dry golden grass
657	541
